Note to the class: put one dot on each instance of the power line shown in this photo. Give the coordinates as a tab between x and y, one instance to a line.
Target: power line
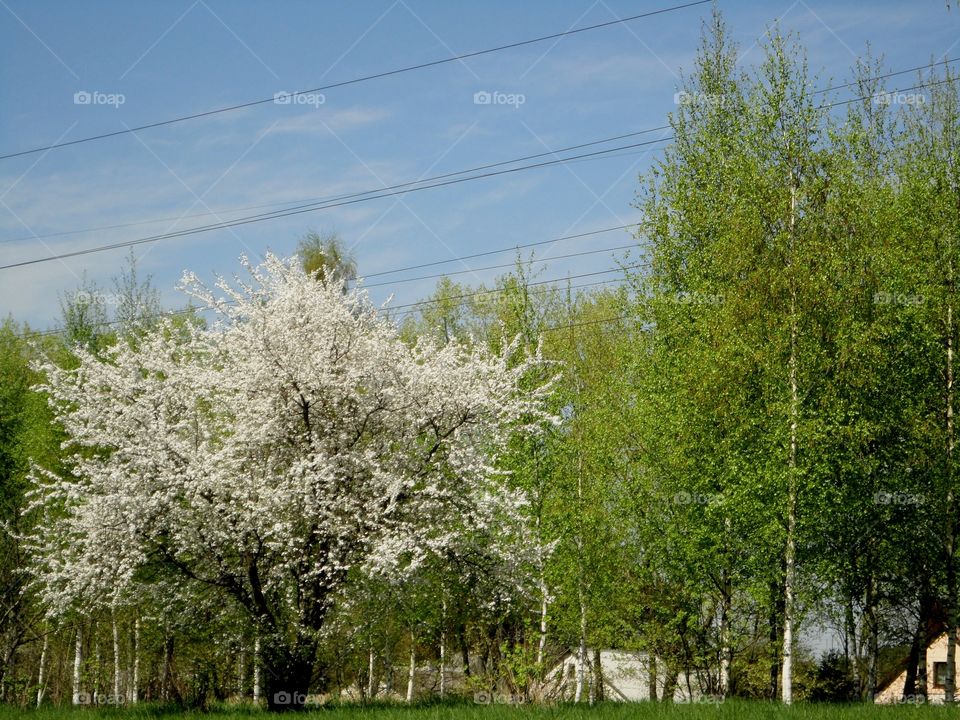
536	283
313	207
354	81
446	175
336	198
579	286
497	252
505	162
500	267
408	309
400	189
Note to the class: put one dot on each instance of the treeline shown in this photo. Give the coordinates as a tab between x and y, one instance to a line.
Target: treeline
755	435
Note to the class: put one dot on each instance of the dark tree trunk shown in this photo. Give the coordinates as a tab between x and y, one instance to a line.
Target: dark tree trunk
288	670
598	676
652	678
910	683
464	649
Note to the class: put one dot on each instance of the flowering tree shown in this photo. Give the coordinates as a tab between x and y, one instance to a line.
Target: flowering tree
263	458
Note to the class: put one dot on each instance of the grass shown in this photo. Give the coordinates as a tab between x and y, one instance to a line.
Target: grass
732	710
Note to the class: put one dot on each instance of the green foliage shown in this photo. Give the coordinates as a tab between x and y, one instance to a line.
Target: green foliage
324	255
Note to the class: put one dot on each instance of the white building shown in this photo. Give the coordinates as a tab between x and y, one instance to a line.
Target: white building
626	677
892	691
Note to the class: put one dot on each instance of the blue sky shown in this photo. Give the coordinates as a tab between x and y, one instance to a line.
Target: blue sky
174	58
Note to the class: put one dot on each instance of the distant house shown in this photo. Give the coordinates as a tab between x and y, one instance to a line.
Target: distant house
626	677
892	690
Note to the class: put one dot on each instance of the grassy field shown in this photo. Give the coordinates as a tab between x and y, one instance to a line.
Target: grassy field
733	710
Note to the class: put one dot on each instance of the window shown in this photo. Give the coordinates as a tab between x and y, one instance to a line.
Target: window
939	674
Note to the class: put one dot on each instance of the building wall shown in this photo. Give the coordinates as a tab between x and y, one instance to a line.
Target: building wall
936	653
626	676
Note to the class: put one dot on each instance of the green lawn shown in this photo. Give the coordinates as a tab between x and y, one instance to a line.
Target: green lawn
733	710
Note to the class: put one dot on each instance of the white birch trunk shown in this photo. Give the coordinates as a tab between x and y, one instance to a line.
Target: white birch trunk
950	684
135	675
789	580
411	675
77	660
544	601
582	651
116	657
42	674
256	669
371	688
443	646
726	652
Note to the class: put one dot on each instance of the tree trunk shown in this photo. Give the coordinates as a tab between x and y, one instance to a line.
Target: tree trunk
581	590
135	675
256	669
443	646
950	684
774	637
242	672
166	676
542	644
669	685
97	675
289	671
726	651
789	578
116	657
910	682
598	693
77	660
853	649
873	645
42	674
652	676
412	672
581	652
371	685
